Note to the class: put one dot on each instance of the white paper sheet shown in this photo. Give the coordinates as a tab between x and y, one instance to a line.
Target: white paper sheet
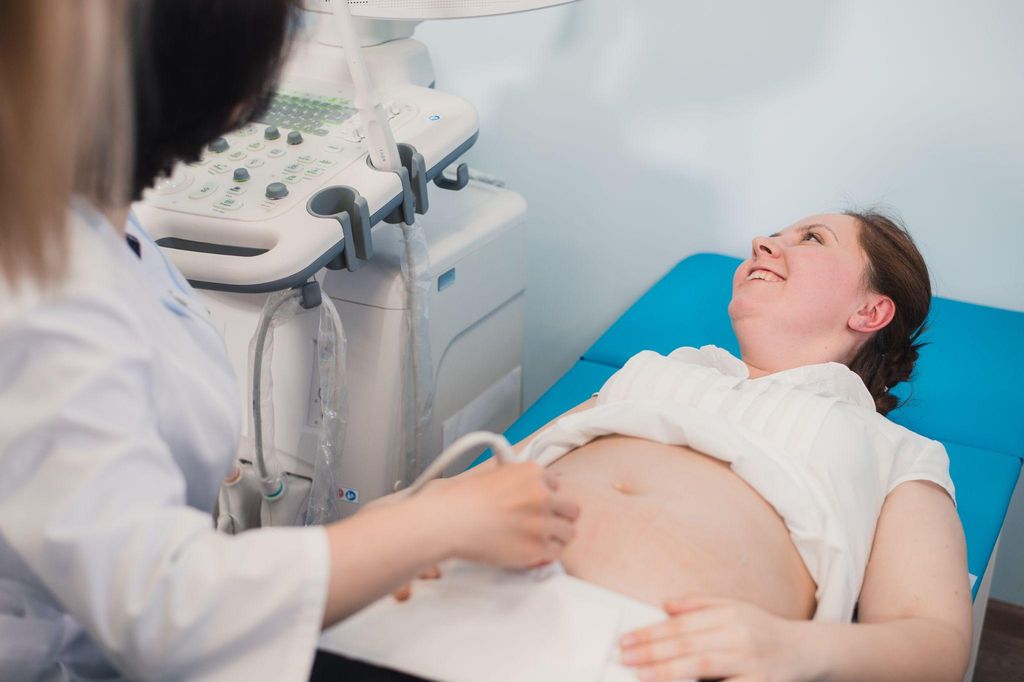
478	623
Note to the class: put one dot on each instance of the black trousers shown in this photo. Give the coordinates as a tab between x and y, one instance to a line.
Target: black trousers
335	668
329	667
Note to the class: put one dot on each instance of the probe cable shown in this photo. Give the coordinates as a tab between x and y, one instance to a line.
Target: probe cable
503	454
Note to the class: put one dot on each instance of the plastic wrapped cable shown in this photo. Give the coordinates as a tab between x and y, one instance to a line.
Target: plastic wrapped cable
322	504
331	358
279	308
289	508
419	368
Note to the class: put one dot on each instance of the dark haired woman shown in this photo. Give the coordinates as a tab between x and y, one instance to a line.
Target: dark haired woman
120	413
760	500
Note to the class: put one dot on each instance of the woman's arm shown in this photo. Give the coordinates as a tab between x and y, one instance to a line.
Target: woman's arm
510	516
915	615
430	570
915	604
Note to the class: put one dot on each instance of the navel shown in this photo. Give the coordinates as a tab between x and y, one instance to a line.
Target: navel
623	488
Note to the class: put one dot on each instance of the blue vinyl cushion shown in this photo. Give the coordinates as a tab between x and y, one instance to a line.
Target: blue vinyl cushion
575	386
687	307
962	393
984	483
967	384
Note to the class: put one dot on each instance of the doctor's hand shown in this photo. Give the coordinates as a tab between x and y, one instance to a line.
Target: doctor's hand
511	515
712	638
405	591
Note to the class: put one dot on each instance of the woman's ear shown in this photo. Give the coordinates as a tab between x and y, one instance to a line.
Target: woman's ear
875	313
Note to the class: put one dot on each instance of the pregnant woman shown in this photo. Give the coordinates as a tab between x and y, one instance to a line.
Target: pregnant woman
764	501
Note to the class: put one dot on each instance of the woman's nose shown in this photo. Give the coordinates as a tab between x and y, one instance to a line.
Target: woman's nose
763	246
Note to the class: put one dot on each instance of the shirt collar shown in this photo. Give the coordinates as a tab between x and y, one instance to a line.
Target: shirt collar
827	378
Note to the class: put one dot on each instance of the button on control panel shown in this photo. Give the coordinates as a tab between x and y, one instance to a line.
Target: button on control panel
277	190
297	146
204	190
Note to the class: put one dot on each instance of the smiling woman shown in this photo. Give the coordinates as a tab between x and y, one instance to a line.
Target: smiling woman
817	307
769	490
808	296
862	267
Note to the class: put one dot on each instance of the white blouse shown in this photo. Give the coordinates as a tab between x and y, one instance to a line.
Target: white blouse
118	420
808	440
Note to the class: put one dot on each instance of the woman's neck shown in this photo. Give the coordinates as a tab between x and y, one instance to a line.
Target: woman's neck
754	371
779	357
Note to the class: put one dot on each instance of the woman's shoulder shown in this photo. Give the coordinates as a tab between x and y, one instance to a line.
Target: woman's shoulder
905	446
88	292
898	433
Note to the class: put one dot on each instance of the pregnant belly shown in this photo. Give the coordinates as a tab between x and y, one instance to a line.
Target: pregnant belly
660	521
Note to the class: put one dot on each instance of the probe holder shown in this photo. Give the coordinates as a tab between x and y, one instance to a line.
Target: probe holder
345	205
413	161
413	174
406	211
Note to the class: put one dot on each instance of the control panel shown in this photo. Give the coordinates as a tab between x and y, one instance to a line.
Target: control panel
238	218
263	169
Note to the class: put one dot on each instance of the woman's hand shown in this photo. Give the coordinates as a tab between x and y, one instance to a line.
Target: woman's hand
511	515
712	638
405	591
382	503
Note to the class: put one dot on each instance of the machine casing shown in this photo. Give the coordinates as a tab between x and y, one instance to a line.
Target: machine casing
476	240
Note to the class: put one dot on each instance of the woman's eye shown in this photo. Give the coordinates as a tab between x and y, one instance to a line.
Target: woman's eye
815	236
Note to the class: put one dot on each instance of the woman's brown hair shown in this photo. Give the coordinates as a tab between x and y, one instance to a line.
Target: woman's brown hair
65	113
895	269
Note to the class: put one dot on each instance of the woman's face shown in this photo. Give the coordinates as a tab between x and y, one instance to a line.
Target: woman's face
807	280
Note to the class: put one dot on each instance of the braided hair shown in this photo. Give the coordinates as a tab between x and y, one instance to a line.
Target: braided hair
895	269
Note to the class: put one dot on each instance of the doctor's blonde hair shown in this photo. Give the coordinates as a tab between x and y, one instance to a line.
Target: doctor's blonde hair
65	125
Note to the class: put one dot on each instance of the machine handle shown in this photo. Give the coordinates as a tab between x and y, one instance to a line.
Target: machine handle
290	262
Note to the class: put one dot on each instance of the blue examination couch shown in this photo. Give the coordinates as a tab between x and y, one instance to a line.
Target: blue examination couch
965	393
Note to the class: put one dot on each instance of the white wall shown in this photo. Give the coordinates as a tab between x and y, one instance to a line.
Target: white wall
645	130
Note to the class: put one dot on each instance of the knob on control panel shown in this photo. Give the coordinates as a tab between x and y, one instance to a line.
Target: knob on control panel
218	145
277	190
240	175
271	133
295	137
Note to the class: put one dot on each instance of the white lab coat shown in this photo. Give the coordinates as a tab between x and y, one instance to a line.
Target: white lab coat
118	419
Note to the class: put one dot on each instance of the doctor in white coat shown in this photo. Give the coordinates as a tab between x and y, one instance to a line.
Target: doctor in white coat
118	408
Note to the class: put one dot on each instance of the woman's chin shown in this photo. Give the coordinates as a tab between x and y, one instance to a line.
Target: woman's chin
744	306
